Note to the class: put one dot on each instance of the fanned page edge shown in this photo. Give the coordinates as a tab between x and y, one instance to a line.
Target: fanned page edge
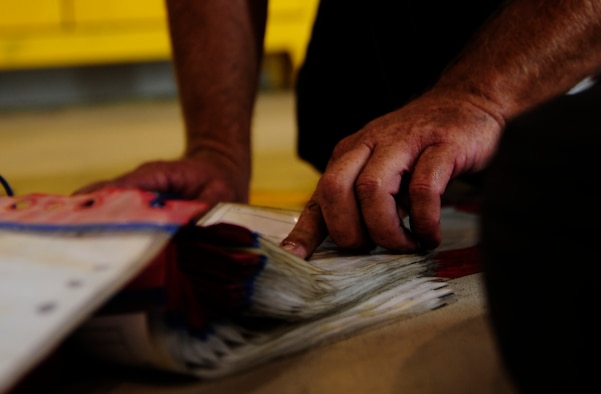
272	223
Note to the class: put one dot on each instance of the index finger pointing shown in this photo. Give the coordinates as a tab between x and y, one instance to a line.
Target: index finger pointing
308	233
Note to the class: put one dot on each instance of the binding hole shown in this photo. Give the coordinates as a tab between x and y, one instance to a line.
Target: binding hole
157	202
20	205
87	204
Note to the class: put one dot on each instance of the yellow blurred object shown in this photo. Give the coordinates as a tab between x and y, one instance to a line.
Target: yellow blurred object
55	33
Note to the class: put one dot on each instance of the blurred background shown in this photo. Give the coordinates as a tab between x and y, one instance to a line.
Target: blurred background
87	92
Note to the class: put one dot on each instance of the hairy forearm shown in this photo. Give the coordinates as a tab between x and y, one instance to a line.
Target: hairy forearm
530	52
217	47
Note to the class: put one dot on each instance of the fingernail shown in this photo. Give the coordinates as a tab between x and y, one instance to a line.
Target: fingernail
288	245
294	248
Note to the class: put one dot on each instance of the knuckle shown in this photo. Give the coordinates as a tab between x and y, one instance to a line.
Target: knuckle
339	149
419	189
312	206
331	186
367	186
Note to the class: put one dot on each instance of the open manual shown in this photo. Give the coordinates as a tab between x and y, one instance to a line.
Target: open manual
207	297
